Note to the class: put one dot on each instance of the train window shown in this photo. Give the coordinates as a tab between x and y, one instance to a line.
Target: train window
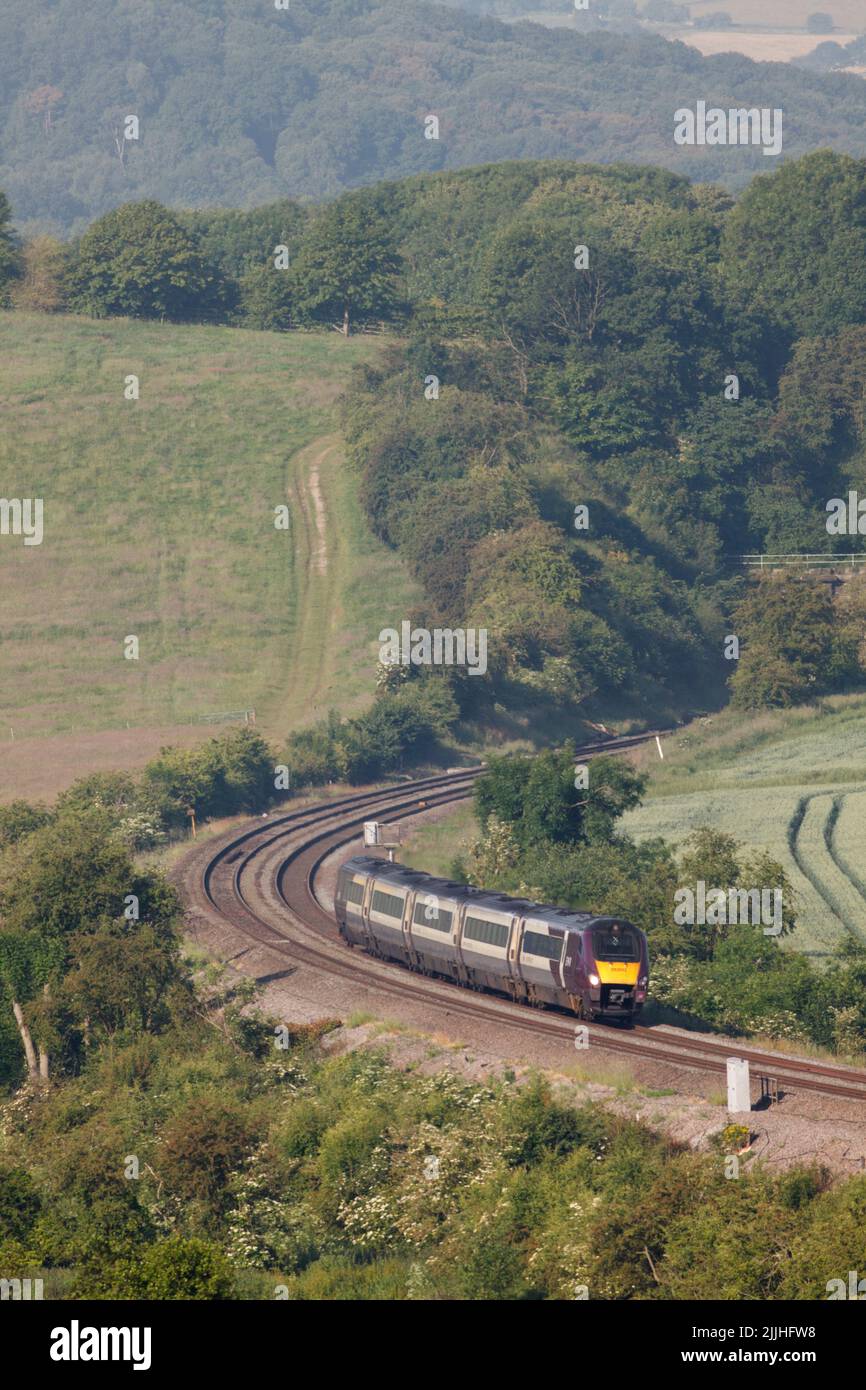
387	903
534	944
354	892
491	933
428	913
615	943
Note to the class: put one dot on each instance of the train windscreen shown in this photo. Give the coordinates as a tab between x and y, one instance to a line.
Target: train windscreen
615	943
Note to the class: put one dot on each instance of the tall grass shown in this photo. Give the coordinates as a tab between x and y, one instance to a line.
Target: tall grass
159	522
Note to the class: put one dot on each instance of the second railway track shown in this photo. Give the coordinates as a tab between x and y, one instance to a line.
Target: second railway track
262	883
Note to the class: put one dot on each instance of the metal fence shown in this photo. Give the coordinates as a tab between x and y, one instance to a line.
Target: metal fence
803	561
231	716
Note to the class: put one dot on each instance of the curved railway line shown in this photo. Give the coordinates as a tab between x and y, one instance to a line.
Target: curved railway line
261	882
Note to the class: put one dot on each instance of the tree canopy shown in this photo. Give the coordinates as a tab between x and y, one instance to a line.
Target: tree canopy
238	104
139	260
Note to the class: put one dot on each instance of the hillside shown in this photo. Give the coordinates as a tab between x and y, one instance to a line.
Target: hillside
238	104
581	484
793	782
159	522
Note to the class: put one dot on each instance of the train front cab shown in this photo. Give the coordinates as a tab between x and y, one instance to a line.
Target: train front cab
615	970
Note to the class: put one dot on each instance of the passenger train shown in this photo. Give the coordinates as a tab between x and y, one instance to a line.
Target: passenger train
597	967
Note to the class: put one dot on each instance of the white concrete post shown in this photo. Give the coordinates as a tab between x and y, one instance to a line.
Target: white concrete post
739	1090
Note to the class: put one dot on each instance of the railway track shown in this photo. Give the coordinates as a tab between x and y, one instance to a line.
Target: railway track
262	882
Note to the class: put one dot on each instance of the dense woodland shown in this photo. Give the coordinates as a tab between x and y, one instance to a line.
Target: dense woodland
605	388
553	441
239	104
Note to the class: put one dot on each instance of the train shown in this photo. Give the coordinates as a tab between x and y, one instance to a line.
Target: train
594	966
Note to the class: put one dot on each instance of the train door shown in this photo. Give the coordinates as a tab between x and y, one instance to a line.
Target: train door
460	969
369	943
408	915
518	988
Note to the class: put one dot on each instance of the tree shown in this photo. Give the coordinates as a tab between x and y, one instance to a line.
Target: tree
717	860
61	886
41	287
221	777
10	256
20	818
793	246
139	260
189	1269
795	645
41	102
203	1146
266	299
179	1267
346	265
539	798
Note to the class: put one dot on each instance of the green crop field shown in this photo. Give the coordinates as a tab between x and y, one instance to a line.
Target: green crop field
792	782
159	524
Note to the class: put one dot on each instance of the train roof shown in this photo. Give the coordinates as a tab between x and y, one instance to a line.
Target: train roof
404	877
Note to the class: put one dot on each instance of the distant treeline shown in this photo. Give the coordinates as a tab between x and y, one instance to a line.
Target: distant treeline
831	56
239	104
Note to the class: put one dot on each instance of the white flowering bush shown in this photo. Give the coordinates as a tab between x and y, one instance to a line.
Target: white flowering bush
267	1232
492	856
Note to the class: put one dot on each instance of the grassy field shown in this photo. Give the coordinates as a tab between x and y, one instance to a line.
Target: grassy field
434	846
783	14
793	782
768	31
848	16
763	46
159	523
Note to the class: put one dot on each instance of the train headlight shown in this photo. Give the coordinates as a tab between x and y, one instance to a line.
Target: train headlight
594	981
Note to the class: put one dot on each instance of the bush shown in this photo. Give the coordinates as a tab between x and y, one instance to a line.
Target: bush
202	1147
178	1268
41	287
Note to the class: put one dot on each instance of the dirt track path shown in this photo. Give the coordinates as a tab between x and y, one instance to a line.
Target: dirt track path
316	559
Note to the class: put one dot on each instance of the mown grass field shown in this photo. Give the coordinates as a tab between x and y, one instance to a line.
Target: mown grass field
793	782
159	523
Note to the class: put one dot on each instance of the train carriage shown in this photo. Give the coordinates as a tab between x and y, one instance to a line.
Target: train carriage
597	967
